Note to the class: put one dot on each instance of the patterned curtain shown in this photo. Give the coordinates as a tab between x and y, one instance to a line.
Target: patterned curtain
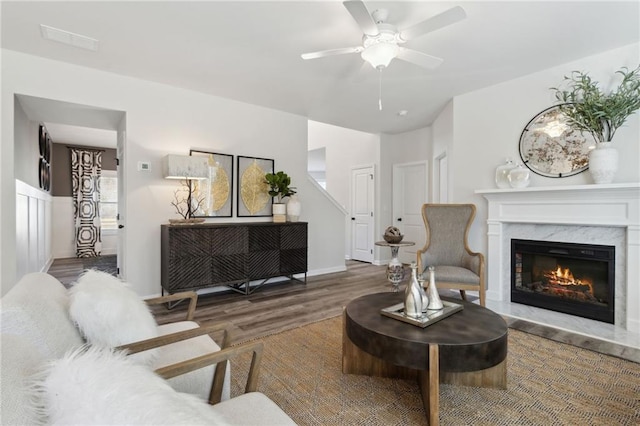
86	166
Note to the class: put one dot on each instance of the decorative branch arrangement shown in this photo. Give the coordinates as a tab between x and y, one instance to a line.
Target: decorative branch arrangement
185	201
592	110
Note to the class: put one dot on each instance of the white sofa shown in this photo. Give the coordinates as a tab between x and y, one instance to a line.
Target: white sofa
36	328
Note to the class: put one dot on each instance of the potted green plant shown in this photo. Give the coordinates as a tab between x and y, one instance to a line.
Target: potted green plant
590	109
279	187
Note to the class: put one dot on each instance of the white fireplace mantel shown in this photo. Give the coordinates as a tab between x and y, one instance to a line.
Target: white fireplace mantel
573	212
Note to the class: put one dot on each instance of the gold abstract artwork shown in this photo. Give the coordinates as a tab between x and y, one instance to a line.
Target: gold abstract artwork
254	190
214	191
220	188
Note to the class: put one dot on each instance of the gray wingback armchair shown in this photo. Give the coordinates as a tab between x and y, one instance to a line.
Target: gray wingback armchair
447	249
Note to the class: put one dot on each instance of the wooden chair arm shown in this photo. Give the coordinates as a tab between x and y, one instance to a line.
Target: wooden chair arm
192	295
220	358
215	394
156	342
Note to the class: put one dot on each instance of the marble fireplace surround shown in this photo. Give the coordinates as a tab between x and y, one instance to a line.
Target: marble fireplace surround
593	214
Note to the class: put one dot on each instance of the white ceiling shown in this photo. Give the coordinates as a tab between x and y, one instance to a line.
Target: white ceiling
84	136
74	124
250	51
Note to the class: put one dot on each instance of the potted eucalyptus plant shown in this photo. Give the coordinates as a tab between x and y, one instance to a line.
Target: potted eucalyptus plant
589	109
279	187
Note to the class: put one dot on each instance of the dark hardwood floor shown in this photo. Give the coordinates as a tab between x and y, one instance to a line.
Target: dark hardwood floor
67	270
284	305
274	307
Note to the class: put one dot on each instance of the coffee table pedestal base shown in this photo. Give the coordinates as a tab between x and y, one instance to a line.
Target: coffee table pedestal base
357	361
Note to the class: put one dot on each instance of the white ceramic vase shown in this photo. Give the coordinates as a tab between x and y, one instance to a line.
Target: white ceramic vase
603	163
502	174
519	177
293	208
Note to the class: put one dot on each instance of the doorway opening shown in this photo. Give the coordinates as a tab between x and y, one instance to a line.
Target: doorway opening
68	125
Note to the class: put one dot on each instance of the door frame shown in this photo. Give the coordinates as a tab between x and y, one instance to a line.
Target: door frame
122	197
438	178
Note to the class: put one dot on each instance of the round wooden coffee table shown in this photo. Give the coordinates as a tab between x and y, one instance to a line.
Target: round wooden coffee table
468	348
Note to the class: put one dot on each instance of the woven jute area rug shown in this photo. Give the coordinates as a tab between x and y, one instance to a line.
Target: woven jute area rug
549	383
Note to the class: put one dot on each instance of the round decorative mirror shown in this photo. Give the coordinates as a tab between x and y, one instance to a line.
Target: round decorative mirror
550	147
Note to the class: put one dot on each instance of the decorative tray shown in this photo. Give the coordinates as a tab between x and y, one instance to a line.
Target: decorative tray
428	318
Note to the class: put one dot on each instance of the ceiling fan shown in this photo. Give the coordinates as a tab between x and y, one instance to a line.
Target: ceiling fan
381	42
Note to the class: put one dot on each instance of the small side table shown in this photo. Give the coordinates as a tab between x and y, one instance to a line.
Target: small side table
395	269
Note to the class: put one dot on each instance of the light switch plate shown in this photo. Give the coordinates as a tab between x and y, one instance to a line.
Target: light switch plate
144	166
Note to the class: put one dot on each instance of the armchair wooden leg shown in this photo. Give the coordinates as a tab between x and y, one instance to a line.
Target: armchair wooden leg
463	294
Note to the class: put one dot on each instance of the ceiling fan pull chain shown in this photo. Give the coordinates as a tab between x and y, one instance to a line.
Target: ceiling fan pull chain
380	89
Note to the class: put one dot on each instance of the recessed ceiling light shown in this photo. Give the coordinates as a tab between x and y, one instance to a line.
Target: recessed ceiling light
403	113
66	37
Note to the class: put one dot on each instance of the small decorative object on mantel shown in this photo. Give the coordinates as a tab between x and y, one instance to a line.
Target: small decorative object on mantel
519	177
502	173
279	187
392	235
590	109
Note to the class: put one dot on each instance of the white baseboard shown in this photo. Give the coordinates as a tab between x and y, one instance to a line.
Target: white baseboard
315	272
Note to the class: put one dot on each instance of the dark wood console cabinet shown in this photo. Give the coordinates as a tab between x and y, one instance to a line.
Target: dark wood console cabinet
231	254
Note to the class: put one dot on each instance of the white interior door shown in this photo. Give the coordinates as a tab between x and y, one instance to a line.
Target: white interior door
362	202
410	192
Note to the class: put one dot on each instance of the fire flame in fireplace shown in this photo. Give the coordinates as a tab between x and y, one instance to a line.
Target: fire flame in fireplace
564	277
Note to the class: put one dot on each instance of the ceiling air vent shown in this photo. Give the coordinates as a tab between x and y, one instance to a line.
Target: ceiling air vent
66	37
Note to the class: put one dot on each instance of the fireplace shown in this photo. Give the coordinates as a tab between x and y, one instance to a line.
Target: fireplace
577	279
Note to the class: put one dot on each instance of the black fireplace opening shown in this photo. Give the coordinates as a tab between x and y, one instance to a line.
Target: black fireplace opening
576	279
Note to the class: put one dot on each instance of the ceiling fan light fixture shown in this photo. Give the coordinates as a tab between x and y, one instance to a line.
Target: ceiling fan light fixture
380	54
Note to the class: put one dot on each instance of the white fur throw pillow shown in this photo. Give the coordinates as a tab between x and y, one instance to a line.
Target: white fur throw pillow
109	313
98	386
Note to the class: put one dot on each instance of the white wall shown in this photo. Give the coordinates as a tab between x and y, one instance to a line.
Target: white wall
63	223
344	149
27	147
402	148
32	230
162	120
442	130
487	125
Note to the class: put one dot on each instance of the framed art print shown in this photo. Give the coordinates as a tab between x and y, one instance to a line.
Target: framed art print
253	199
215	191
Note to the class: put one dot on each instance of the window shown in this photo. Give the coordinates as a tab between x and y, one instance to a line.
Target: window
108	185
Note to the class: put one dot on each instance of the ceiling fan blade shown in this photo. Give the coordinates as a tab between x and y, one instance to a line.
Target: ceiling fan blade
331	52
418	58
359	11
448	17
